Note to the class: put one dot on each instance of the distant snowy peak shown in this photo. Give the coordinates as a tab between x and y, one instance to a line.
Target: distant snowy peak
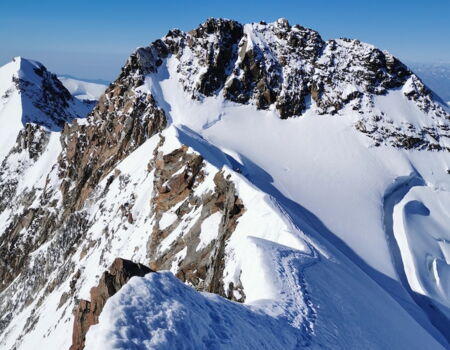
290	69
43	98
82	89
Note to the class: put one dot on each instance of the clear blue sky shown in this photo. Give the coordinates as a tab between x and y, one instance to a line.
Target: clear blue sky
92	39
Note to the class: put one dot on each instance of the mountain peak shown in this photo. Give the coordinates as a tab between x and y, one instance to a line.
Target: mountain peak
292	70
244	159
26	63
27	69
282	22
43	98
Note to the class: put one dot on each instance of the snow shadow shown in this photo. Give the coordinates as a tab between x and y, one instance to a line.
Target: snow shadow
394	194
307	222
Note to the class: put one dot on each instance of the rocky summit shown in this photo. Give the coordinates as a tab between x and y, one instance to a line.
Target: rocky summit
289	192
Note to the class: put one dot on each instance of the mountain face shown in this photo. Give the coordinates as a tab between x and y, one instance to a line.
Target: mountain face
44	100
302	182
29	94
436	76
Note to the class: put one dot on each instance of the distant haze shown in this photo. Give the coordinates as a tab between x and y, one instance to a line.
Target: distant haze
436	76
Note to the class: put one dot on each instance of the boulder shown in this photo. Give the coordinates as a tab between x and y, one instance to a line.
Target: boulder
87	312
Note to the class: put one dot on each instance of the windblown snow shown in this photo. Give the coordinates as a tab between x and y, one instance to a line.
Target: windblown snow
160	312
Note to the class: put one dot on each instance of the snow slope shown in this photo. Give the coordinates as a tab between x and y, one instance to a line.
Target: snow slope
341	242
83	90
10	108
296	282
31	94
305	159
160	312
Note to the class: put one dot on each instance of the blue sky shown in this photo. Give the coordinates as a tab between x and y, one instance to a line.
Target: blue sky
92	39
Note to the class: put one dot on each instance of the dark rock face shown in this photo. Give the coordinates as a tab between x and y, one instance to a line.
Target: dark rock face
121	122
260	73
48	103
219	56
87	312
30	144
31	140
290	68
144	60
176	177
278	64
214	45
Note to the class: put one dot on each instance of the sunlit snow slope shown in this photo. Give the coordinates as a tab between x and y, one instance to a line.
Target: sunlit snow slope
31	94
83	90
321	170
305	182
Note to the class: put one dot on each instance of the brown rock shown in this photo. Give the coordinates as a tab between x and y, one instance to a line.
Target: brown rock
177	175
87	312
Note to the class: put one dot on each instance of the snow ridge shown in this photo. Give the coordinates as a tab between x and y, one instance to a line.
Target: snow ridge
45	101
251	161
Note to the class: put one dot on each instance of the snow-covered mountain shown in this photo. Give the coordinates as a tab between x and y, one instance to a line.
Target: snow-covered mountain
29	94
82	89
297	188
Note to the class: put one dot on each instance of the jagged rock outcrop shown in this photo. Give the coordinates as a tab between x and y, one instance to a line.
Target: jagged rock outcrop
45	100
30	144
118	181
279	64
291	68
87	312
123	119
119	124
177	175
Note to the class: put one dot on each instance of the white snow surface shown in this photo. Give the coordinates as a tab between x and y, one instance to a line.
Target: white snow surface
10	108
83	90
311	251
160	312
422	228
17	109
209	229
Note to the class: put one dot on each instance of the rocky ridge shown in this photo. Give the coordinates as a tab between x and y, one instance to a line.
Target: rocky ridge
291	69
51	218
94	197
45	100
